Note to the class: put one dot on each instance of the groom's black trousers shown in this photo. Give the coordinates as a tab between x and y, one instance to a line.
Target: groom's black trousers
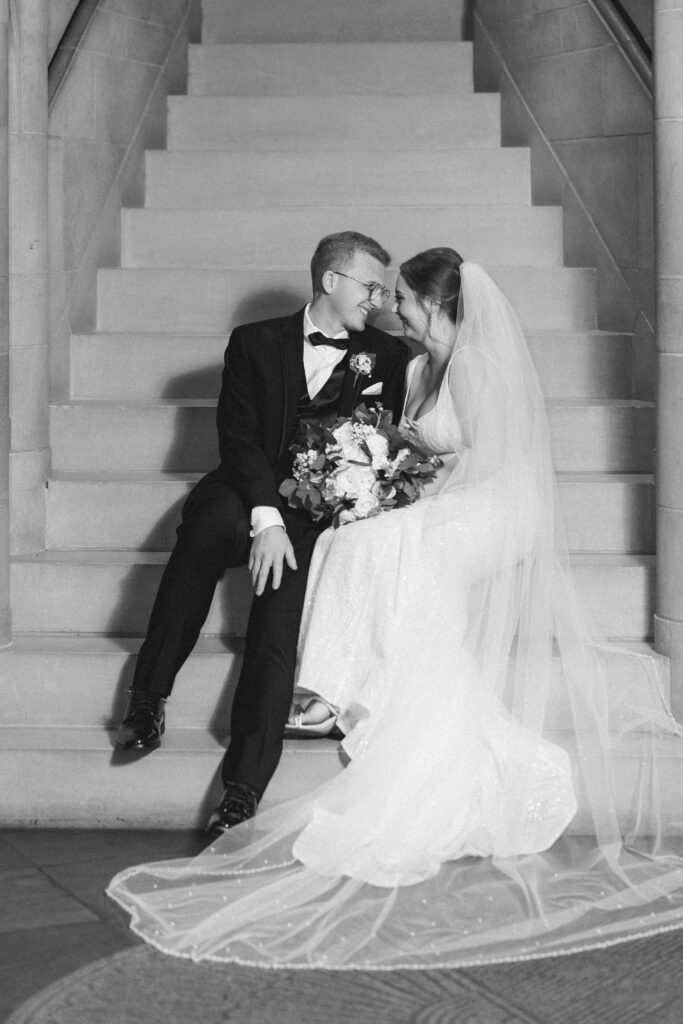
212	537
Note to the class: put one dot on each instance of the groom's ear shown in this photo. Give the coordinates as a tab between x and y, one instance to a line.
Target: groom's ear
327	281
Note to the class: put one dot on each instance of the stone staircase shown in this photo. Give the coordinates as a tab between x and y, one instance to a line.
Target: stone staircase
289	131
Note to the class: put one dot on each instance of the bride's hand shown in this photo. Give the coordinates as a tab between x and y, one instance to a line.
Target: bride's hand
270	549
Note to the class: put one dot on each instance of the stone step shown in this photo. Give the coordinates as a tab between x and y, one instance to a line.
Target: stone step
312	21
253	238
329	69
589	364
92	674
598	436
205	301
179	435
334	123
109	592
219	180
71	777
602	512
609	512
112	592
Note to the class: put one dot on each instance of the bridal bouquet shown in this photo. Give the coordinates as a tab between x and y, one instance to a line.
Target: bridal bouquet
356	467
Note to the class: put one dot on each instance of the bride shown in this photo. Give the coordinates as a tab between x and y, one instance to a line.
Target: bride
502	795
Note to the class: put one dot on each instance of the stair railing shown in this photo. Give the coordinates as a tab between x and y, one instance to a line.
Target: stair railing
628	38
68	46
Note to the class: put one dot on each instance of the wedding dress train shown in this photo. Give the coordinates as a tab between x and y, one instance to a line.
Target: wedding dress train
479	717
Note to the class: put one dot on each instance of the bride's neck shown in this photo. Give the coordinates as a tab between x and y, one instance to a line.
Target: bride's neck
439	349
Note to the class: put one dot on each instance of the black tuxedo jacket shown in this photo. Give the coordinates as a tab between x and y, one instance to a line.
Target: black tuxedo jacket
263	380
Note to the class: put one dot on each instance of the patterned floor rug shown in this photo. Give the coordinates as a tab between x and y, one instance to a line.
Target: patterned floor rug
635	983
141	985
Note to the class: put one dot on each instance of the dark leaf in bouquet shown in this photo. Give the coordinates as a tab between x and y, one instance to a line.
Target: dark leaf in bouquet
383	490
314	435
395	438
362	415
312	493
288	487
409	462
410	489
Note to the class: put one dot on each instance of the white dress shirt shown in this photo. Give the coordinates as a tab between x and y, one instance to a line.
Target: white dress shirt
319	362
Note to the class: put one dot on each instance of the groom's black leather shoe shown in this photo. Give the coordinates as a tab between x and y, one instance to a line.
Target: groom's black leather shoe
143	723
239	804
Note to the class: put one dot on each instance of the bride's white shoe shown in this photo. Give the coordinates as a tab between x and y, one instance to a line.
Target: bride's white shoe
302	722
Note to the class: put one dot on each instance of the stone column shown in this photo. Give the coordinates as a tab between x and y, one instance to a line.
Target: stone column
668	47
5	621
29	456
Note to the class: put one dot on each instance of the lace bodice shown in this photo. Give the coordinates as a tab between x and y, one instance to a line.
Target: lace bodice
438	429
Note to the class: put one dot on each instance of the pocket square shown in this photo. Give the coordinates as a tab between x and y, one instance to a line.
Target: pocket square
374	389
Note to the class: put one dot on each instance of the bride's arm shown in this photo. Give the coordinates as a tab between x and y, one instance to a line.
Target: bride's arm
410	382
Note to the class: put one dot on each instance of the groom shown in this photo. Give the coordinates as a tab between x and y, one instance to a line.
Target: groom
277	373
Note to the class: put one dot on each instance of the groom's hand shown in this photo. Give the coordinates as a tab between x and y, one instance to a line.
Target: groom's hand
270	549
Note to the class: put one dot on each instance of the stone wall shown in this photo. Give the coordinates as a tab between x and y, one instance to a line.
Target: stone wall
58	16
569	93
28	261
111	108
5	621
641	13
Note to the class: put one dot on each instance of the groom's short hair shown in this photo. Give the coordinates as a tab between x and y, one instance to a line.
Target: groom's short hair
335	252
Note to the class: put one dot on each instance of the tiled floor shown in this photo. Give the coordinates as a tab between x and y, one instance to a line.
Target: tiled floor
55	918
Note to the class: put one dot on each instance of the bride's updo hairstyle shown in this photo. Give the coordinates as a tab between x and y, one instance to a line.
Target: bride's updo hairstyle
434	276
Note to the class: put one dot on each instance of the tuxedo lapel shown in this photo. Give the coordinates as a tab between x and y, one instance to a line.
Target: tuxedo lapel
292	362
351	386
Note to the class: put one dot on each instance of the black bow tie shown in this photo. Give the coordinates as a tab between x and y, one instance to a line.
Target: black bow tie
319	339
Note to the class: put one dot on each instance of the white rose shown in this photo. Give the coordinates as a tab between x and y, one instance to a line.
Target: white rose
343	434
365	505
330	490
348	444
378	446
363	363
353	480
354	453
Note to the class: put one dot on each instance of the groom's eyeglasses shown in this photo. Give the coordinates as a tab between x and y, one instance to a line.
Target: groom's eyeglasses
375	290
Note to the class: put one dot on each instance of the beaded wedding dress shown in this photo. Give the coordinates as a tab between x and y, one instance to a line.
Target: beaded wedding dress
502	797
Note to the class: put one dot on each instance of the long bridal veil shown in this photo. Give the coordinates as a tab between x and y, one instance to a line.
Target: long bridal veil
505	625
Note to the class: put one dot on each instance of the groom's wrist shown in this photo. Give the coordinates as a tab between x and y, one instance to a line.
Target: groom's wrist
264	516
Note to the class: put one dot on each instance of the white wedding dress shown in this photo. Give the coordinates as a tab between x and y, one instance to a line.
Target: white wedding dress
479	818
440	769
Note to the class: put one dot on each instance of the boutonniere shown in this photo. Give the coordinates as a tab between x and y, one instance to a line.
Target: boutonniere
362	364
